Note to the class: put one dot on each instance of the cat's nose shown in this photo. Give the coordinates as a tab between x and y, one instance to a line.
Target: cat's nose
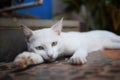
50	56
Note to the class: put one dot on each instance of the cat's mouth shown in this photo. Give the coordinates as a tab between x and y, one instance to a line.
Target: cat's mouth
49	59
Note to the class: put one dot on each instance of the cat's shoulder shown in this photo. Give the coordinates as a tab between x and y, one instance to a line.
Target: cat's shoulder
92	31
101	32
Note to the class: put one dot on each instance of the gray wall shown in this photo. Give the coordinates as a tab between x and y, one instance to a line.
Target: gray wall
11	44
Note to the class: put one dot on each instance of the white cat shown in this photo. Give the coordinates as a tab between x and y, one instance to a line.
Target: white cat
49	43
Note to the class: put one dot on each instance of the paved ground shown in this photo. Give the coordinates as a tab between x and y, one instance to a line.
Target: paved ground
103	65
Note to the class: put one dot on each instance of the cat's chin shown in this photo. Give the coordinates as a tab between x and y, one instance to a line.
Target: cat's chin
50	60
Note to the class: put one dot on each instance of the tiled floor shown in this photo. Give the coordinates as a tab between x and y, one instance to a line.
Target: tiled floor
103	65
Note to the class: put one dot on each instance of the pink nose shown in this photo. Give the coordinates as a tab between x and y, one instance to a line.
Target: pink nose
50	56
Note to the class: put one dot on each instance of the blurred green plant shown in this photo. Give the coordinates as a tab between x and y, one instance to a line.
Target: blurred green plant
102	14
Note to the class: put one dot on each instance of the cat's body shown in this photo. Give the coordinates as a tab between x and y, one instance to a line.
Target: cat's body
51	42
91	41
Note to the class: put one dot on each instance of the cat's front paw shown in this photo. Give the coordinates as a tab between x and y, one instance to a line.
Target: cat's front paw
77	59
27	58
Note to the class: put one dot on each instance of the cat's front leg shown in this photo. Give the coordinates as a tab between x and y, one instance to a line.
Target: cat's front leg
79	57
28	58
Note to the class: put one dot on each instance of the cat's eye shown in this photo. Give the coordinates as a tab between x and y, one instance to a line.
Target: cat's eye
54	43
39	48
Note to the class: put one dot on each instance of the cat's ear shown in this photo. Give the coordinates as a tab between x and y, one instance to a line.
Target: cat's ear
27	32
57	27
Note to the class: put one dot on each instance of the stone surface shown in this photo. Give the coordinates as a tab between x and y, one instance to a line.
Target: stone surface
103	65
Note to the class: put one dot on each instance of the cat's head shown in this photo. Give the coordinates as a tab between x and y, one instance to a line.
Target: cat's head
45	42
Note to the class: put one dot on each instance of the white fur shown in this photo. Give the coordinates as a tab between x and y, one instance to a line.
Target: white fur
80	44
27	58
69	43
